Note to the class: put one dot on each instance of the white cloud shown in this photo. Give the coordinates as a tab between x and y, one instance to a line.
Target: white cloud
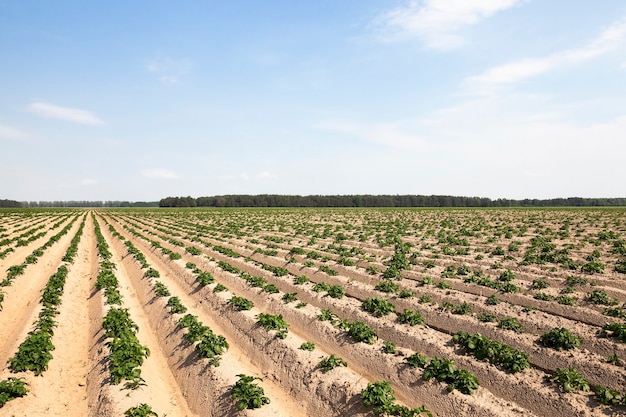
393	135
265	175
88	182
526	68
64	113
11	133
168	70
436	21
160	173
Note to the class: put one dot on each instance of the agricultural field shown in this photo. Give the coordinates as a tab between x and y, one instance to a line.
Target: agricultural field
313	312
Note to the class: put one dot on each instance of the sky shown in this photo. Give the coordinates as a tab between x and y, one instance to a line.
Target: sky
144	99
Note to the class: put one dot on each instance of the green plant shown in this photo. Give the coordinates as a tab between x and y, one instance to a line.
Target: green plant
417	360
301	279
497	353
336	291
361	332
151	273
289	297
142	410
405	294
387	286
331	362
240	303
219	288
212	346
538	284
492	300
410	317
307	346
378	394
444	370
176	307
160	290
248	394
608	396
569	379
616	330
600	297
11	388
205	278
273	322
486	317
511	323
560	338
379	307
389	347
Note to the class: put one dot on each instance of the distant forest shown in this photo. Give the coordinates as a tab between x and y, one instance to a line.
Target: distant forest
274	200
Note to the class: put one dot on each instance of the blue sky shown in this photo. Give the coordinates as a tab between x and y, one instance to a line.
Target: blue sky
146	99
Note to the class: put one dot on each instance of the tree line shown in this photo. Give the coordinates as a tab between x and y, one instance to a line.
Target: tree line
276	200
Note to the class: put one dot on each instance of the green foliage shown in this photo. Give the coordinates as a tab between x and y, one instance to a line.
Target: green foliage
607	396
11	388
410	317
486	317
361	332
331	362
289	297
273	322
600	297
301	279
321	287
379	307
142	410
161	290
569	379
212	346
33	353
389	347
307	346
219	288
248	394
151	273
176	307
444	370
497	353
205	278
560	338
240	303
539	284
387	286
616	330
492	300
511	323
417	360
336	291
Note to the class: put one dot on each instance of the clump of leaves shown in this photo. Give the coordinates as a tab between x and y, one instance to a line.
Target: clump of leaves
560	338
379	307
492	300
11	388
387	286
248	394
161	290
497	353
569	379
600	297
410	317
331	362
417	360
307	346
511	323
445	370
361	332
616	330
142	410
176	307
240	303
389	347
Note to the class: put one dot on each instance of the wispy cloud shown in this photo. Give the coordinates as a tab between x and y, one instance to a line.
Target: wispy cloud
265	175
530	67
168	70
64	113
88	182
392	135
11	133
436	22
160	173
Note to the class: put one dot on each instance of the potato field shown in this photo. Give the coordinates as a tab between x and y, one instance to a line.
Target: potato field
313	312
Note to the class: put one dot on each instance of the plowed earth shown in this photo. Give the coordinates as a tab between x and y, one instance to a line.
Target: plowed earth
289	252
